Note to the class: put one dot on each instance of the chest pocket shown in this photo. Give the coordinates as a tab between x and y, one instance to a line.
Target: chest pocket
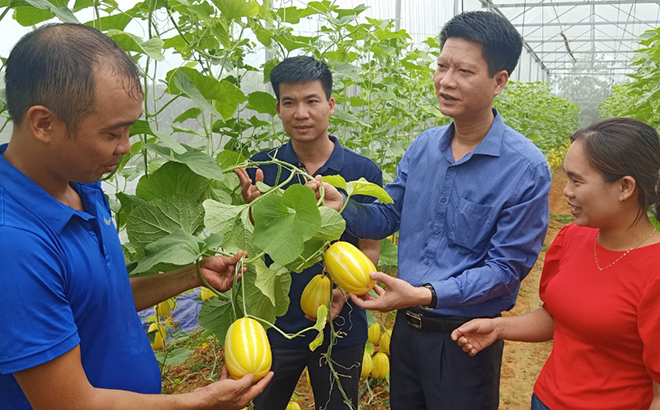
470	223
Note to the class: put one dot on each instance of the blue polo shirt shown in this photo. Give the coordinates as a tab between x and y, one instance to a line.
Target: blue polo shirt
473	228
352	321
64	283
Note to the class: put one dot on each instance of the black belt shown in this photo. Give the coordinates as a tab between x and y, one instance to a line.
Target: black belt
421	319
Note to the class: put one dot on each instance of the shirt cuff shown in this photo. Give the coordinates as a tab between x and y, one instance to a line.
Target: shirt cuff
447	293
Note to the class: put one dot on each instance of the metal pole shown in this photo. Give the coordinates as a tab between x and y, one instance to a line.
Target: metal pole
397	16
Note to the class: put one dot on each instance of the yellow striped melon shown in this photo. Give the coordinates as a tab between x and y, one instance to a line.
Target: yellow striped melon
349	267
247	350
381	366
315	294
367	365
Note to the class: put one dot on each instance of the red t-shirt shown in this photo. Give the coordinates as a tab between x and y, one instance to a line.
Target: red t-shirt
606	341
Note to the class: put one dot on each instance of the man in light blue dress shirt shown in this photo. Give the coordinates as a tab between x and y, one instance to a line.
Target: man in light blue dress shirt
471	206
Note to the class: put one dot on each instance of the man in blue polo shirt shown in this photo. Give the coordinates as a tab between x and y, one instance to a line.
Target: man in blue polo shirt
303	87
471	205
71	336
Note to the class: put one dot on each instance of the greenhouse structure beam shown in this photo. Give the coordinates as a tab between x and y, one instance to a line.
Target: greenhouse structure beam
489	4
575	3
582	52
586	40
650	23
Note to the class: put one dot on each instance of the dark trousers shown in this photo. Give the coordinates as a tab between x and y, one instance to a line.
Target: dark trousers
288	365
430	372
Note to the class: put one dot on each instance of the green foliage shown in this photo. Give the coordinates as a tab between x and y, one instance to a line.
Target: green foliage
532	110
640	98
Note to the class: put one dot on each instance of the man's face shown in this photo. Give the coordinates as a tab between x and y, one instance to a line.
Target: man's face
462	84
305	110
101	139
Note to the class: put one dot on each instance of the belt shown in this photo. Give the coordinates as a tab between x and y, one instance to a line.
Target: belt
420	319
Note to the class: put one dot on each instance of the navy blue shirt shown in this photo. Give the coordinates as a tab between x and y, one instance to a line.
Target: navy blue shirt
64	284
352	321
473	228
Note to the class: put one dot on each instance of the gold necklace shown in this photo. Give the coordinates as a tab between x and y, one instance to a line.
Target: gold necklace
624	254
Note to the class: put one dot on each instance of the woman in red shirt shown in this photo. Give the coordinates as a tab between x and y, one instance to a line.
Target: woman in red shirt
601	280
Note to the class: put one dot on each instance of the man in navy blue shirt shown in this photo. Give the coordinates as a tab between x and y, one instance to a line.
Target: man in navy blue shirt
303	87
71	336
471	205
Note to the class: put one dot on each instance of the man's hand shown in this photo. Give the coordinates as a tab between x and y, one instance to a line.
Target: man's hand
229	394
219	270
476	335
398	294
248	189
337	303
333	198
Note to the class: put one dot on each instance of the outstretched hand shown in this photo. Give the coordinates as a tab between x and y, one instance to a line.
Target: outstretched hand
333	198
229	394
248	189
397	294
476	335
219	270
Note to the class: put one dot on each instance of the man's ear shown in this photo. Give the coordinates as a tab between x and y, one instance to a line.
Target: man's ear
331	102
277	107
501	78
42	122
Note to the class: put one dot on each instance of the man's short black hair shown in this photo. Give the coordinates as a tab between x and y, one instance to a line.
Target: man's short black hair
54	66
301	69
501	42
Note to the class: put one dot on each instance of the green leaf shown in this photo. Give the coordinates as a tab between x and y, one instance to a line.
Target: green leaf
174	357
178	248
388	253
235	9
130	42
284	222
229	159
332	224
199	162
262	102
259	304
364	187
152	221
321	317
82	4
188	114
216	315
310	256
189	88
221	217
30	16
128	202
63	14
336	181
170	142
173	179
224	93
266	280
114	22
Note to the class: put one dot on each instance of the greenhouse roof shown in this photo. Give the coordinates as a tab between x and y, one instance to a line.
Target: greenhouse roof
588	37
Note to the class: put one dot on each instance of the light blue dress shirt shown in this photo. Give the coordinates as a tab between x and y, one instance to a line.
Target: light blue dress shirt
473	228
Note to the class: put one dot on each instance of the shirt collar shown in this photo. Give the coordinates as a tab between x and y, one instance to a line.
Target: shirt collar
491	144
335	162
35	198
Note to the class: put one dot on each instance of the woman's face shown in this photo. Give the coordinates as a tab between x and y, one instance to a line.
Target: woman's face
594	201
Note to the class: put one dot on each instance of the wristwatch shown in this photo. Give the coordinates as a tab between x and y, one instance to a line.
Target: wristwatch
434	297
